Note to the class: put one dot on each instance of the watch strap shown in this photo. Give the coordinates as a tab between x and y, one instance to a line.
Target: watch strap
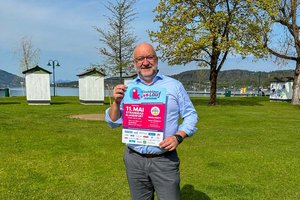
179	138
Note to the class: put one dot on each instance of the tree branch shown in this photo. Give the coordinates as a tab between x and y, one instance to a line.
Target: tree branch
281	55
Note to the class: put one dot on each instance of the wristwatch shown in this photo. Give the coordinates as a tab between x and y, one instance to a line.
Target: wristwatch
179	138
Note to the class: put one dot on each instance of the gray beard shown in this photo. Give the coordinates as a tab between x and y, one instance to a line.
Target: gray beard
146	78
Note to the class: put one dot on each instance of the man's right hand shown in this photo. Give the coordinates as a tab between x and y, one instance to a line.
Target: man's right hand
118	93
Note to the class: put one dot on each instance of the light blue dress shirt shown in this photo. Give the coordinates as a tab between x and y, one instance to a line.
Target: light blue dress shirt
178	104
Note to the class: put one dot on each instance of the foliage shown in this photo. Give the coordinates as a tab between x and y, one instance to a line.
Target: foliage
117	38
189	28
251	153
206	31
287	48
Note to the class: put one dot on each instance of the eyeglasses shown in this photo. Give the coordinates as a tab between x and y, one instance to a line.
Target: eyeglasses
141	59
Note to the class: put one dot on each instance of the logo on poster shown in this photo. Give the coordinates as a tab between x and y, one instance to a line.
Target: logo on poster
137	94
155	111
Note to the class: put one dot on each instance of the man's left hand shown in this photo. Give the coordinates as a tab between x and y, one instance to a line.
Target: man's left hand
170	143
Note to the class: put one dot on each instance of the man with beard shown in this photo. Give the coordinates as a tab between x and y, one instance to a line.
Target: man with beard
155	168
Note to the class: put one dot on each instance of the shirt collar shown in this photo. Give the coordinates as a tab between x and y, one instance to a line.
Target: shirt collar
157	77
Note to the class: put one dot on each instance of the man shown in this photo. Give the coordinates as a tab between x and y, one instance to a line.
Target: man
153	168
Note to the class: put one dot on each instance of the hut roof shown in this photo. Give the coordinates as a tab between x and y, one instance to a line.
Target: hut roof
92	71
36	68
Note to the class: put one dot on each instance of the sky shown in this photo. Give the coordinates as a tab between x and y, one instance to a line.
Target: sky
64	30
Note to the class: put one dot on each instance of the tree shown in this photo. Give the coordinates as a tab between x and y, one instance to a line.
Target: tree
29	56
287	18
118	40
206	31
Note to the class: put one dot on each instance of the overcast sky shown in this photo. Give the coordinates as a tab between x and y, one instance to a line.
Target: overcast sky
63	30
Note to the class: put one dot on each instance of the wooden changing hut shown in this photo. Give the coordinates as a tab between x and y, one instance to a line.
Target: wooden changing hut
37	82
91	86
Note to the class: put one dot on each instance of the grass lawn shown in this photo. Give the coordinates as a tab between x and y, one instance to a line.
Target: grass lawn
245	148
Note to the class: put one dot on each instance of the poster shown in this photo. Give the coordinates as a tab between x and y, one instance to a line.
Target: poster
144	111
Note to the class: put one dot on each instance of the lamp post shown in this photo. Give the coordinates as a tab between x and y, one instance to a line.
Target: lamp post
258	87
53	63
22	85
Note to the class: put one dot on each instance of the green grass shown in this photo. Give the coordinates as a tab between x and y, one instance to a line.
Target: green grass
245	148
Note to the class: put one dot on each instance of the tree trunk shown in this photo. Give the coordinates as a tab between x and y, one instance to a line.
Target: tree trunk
213	86
121	75
296	85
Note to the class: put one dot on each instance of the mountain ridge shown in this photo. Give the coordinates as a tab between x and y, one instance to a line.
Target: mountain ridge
191	79
8	80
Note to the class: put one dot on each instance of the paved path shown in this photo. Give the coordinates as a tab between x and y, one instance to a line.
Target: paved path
96	117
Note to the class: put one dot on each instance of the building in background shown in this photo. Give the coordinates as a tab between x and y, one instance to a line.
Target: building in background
91	86
281	89
37	83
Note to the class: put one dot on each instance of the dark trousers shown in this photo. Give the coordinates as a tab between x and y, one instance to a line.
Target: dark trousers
146	175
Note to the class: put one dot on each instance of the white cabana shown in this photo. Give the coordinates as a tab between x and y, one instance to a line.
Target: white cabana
37	82
281	89
91	87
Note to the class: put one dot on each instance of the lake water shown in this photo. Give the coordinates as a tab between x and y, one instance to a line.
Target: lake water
65	91
60	91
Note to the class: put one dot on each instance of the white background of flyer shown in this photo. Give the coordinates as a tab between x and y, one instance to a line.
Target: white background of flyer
142	137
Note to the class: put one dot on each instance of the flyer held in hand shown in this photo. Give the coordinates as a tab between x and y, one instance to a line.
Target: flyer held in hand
144	112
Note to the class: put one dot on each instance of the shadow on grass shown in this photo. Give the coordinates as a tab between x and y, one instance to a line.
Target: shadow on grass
188	192
232	101
72	102
10	103
61	103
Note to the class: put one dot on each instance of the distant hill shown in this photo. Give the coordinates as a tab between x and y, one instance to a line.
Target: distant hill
227	79
71	84
230	78
191	79
8	80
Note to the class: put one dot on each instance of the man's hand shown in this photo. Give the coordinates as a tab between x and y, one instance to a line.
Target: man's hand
118	93
170	143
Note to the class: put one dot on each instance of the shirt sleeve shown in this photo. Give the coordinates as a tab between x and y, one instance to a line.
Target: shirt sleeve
111	123
187	113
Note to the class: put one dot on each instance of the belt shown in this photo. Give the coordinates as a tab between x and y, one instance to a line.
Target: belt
150	155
